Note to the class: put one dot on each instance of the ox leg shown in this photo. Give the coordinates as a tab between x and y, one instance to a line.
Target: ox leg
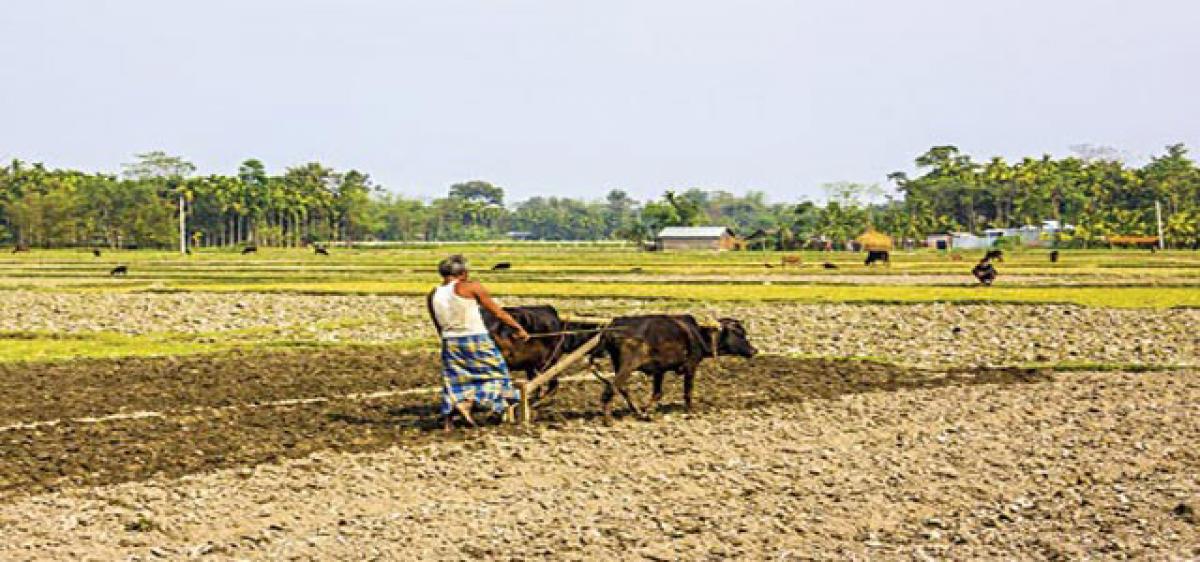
656	395
689	381
620	382
548	392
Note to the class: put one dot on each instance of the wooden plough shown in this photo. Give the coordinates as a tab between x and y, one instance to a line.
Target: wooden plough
524	413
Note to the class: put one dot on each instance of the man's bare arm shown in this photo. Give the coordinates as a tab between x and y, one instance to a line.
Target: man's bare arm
432	316
480	294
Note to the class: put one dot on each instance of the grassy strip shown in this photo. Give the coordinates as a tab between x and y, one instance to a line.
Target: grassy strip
53	347
36	347
1118	297
32	347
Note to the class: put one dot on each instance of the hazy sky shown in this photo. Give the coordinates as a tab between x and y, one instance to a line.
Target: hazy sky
561	97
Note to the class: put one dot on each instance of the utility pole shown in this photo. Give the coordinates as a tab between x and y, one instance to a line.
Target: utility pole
1162	244
182	226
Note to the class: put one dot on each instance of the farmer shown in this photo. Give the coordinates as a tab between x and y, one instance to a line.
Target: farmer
985	272
473	370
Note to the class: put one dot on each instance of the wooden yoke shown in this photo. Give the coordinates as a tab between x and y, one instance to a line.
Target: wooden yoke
527	387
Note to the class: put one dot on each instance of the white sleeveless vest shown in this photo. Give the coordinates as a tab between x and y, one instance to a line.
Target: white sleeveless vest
456	315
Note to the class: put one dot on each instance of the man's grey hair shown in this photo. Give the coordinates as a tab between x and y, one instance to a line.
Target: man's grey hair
452	266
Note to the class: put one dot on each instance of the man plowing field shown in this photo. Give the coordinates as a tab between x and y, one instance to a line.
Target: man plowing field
473	369
481	340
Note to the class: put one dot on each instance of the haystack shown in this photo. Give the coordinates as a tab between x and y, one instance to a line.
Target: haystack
873	240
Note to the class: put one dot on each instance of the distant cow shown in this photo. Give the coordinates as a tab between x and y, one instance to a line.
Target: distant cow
250	250
96	253
1053	256
985	272
956	257
20	248
501	266
119	271
656	344
790	260
878	255
997	255
321	251
828	265
537	353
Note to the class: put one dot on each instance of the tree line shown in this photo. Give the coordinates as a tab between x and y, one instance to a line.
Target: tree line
1094	191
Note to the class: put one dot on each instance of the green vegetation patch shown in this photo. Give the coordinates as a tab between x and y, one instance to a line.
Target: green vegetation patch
36	347
1117	297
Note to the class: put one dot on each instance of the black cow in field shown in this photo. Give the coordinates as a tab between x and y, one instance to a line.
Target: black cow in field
828	265
502	266
878	256
997	255
320	250
250	250
95	253
537	353
119	271
1053	256
20	248
656	344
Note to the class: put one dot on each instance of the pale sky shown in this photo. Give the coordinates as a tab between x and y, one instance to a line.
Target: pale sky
573	98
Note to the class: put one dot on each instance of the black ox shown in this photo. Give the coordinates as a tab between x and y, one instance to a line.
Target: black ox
878	256
656	344
537	353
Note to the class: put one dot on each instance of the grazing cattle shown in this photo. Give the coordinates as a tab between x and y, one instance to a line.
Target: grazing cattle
656	344
502	265
96	253
878	255
997	255
321	251
20	248
985	272
828	265
768	266
119	271
537	353
791	260
956	257
1053	256
250	250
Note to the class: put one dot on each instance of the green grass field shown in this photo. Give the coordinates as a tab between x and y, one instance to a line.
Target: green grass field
1085	277
682	280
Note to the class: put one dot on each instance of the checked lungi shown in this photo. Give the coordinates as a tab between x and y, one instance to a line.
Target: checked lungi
474	369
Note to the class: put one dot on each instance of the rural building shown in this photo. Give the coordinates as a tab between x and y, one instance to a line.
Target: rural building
967	241
1030	236
939	241
696	238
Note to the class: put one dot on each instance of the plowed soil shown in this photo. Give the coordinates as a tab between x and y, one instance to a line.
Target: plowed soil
105	421
337	454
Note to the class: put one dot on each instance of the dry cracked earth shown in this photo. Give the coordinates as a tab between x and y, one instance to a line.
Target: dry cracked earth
335	453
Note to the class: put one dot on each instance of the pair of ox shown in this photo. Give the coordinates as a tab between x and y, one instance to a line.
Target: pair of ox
652	344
